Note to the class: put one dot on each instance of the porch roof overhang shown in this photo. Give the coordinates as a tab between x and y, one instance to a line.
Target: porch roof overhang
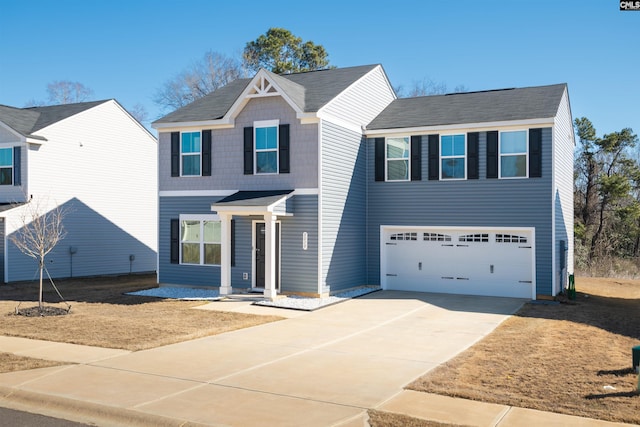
255	203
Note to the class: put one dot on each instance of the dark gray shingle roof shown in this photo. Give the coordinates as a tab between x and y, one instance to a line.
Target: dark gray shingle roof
253	198
473	107
310	91
26	121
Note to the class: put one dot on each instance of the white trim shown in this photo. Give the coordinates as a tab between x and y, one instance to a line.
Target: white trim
553	215
383	246
262	124
354	127
253	252
320	184
196	193
9	129
466	160
200	218
398	159
195	125
466	127
526	154
253	210
305	192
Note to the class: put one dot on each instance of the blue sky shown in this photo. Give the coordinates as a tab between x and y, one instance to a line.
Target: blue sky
127	49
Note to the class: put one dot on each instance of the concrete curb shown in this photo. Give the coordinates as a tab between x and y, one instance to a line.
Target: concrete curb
84	412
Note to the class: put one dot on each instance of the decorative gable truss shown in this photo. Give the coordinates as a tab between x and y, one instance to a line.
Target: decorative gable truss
261	87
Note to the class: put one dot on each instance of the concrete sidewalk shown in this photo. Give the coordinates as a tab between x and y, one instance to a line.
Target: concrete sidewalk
323	368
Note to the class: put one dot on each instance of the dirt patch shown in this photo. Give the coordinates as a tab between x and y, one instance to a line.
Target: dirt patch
101	315
10	362
571	359
388	419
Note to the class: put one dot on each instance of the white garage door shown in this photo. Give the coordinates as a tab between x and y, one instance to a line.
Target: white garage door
478	261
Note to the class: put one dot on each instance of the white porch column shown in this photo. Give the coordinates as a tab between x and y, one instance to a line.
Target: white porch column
225	255
270	256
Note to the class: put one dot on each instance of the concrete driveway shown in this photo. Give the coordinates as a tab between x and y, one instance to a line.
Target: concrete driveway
317	369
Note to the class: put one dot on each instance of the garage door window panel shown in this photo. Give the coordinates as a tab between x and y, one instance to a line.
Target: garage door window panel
398	153
453	157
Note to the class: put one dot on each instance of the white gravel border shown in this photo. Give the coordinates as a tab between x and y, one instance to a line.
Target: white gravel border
291	302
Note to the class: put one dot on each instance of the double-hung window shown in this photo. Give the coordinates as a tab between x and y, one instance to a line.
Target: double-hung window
190	152
397	159
200	240
513	154
266	146
453	157
6	166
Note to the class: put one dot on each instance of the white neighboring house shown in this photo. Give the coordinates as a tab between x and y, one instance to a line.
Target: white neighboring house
99	164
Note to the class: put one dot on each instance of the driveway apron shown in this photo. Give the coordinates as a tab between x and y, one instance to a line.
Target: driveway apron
322	368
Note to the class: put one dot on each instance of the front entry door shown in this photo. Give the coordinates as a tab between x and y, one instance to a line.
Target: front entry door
260	255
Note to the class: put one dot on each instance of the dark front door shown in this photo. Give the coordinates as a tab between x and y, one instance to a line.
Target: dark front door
261	255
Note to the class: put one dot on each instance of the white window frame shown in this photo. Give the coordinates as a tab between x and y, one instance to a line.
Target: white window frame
399	159
202	219
182	154
266	124
526	154
441	157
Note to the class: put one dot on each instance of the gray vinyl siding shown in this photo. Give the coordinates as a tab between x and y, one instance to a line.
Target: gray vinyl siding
102	248
343	192
177	274
299	268
563	197
227	152
482	203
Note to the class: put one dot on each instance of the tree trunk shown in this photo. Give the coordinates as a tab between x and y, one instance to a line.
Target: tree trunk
40	293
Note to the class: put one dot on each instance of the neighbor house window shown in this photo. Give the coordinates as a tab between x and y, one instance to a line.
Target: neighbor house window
6	166
398	154
452	157
513	154
200	240
190	147
266	146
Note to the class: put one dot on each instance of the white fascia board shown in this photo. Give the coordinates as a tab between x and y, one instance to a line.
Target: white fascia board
462	126
196	193
244	96
223	123
9	129
341	122
348	88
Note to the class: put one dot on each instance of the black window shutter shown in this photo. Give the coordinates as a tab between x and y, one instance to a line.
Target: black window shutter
472	155
379	159
492	154
17	174
233	243
206	152
416	158
175	241
175	153
434	157
535	153
284	149
248	151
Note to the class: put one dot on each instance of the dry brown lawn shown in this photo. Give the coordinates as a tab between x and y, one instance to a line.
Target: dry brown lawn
388	419
560	358
101	315
10	362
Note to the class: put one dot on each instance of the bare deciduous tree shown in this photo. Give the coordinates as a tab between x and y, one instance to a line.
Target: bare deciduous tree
66	92
213	71
38	231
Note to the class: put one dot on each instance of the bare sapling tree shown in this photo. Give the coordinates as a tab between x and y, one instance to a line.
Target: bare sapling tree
39	230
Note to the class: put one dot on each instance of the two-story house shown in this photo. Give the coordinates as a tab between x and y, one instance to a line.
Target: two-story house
317	182
96	163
